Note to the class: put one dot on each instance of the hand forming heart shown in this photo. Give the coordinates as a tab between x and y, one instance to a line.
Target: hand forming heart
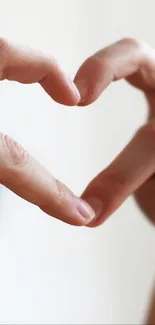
131	172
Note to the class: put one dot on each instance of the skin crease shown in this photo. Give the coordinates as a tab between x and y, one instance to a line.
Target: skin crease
127	58
134	61
140	73
20	172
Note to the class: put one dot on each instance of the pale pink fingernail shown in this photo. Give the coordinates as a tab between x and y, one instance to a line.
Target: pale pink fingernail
96	205
83	89
74	88
85	210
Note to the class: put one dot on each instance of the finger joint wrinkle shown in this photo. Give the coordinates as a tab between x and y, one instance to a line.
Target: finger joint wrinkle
13	153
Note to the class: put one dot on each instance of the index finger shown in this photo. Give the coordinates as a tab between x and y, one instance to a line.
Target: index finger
127	58
23	175
29	66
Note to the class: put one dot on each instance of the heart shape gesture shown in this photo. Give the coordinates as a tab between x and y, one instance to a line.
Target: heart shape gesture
130	172
133	169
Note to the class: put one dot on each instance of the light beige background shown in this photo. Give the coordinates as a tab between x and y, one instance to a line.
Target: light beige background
50	272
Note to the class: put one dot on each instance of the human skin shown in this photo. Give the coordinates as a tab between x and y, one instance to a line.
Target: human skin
20	172
130	172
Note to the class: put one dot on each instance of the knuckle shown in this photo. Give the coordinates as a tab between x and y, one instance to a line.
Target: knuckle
12	153
63	193
130	41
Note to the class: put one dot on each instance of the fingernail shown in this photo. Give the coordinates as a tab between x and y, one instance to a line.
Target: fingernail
76	91
96	205
74	88
83	89
85	210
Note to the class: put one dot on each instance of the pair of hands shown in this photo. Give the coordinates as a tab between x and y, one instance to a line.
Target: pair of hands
130	172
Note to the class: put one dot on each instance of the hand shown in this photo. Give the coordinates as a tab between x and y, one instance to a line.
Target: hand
18	170
133	170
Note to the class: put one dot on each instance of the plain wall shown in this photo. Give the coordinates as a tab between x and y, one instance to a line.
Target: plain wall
51	272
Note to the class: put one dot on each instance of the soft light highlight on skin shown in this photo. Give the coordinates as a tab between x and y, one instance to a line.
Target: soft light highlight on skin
20	172
130	172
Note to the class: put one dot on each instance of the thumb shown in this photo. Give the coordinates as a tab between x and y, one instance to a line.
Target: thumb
128	171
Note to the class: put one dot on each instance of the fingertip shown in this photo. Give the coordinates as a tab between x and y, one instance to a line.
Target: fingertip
97	222
84	90
98	207
64	93
86	211
91	79
74	96
76	213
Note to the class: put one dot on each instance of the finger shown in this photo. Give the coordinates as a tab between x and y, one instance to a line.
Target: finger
126	58
145	198
28	179
134	165
29	66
